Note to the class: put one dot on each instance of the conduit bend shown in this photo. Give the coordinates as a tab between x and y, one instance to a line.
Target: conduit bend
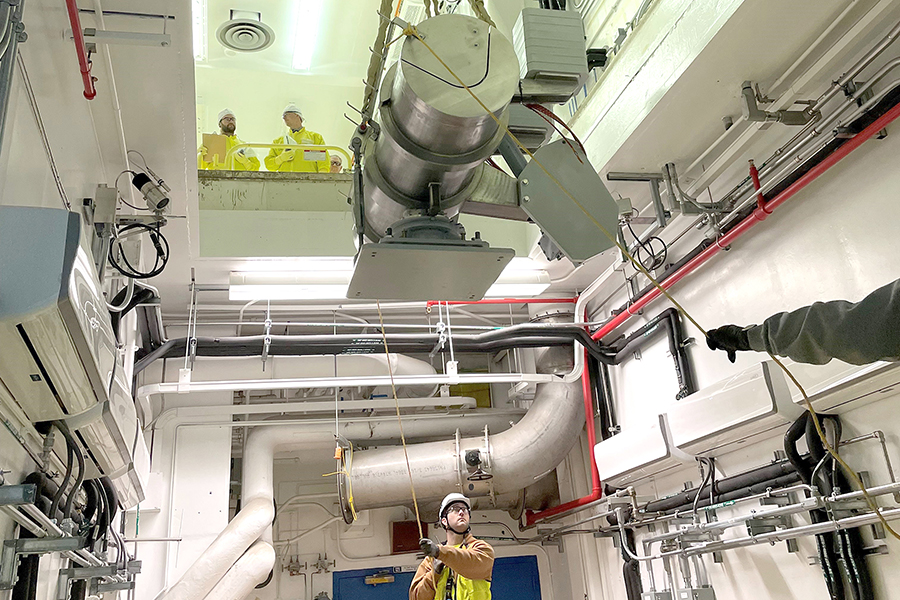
515	458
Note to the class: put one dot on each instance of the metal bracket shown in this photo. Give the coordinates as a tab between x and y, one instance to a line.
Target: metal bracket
13	549
16	495
758	525
99	588
654	179
752	112
551	540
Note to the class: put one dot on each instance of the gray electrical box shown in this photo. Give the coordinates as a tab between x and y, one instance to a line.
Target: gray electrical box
550	45
700	593
558	215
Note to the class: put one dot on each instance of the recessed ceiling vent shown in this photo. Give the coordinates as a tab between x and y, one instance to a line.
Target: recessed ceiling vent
245	32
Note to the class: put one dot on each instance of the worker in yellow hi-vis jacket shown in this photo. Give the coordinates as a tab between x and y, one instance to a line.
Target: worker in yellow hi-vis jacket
299	161
243	160
461	568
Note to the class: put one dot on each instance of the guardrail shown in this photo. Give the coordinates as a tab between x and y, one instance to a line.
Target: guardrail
229	156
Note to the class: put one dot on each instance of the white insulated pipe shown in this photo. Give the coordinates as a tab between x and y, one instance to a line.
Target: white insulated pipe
202	576
251	569
515	458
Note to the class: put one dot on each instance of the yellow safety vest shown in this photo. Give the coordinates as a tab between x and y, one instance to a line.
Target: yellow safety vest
463	588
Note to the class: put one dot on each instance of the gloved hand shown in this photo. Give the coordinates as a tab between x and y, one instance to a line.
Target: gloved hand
729	338
438	567
286	156
430	548
240	158
202	150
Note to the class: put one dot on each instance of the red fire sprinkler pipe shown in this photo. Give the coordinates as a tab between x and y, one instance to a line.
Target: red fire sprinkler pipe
84	65
759	214
760	198
597	491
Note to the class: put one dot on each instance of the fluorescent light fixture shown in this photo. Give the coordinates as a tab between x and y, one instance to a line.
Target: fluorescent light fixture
198	21
328	279
291	285
306	33
520	278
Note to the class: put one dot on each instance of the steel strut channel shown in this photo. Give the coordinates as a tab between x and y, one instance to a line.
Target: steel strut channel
13	549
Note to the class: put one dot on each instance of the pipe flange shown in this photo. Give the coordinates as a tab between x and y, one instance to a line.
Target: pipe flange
448	206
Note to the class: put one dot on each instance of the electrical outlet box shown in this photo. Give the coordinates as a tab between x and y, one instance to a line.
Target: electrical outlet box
701	593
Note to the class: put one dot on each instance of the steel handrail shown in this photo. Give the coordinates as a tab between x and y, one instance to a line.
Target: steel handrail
229	156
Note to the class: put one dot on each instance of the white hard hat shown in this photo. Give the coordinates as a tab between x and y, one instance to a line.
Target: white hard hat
452	499
224	113
291	108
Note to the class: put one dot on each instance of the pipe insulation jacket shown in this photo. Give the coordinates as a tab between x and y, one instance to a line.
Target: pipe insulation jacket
247	572
515	336
514	458
202	576
724	486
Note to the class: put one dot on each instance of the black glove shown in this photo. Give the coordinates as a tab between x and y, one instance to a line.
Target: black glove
729	338
438	567
430	548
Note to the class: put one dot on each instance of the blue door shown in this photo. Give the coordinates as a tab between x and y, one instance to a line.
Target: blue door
514	578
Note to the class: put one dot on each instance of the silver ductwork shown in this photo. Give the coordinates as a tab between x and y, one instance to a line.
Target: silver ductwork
488	465
434	136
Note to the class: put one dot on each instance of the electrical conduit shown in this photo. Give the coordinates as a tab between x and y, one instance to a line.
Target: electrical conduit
759	214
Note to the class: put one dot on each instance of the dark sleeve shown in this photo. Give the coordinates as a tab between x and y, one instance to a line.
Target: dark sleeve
857	333
423	583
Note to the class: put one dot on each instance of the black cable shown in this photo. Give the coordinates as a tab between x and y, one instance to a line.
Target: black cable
657	260
70	462
160	243
70	440
706	476
122	198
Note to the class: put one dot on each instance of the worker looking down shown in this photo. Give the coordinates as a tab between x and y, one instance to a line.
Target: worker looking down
299	160
856	333
243	159
461	568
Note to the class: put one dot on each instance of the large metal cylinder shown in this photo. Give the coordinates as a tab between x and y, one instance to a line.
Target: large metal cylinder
432	130
515	458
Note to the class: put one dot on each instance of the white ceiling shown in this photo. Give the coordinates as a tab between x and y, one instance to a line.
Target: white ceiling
257	85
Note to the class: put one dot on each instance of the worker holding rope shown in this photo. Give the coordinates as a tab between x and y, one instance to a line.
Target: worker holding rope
461	568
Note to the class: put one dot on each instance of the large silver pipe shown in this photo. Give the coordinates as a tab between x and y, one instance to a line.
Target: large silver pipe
515	458
432	130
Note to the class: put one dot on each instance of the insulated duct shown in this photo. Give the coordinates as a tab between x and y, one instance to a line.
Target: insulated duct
432	130
487	465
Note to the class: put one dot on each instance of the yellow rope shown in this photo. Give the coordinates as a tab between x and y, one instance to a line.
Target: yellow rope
387	354
412	31
346	473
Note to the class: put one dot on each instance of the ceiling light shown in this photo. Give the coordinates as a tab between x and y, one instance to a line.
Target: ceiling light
198	21
329	278
306	32
289	285
520	278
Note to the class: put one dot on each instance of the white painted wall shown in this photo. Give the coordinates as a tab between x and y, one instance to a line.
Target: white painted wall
190	475
834	240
